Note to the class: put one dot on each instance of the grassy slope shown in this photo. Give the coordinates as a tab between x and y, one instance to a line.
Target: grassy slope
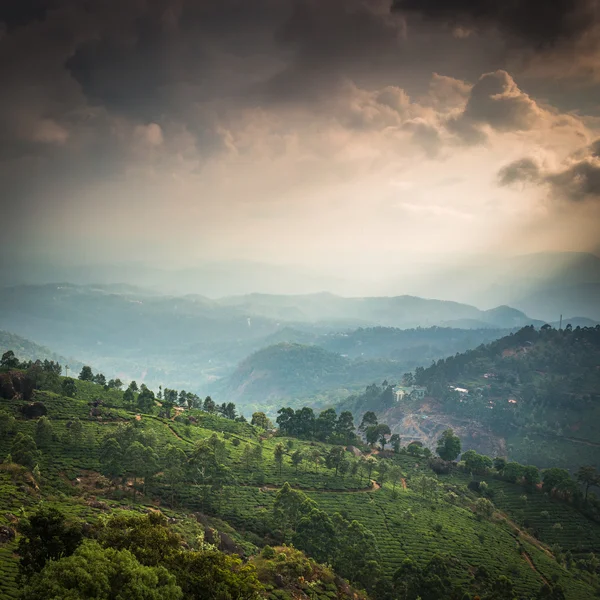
404	526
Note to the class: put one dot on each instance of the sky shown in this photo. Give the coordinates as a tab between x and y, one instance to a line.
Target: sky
347	135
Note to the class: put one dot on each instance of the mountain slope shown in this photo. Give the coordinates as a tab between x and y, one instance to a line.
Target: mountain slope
534	395
26	350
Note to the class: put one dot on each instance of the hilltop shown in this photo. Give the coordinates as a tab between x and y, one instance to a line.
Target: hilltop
222	480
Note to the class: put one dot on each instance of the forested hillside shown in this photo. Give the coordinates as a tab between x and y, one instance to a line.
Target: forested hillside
183	498
536	391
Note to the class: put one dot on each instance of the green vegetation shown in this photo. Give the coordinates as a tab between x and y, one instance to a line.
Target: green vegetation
538	388
82	479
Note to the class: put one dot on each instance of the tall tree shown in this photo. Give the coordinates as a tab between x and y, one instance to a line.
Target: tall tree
588	477
209	405
69	388
344	428
86	374
296	458
369	419
278	455
24	451
448	445
45	535
259	419
111	457
43	432
9	360
135	458
334	458
102	574
173	462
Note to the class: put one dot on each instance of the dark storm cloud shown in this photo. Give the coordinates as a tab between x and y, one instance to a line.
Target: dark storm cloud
18	13
495	101
524	169
539	23
577	180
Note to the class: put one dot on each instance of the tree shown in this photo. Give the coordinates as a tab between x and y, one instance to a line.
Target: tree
370	464
334	458
209	405
100	379
297	457
128	397
46	535
554	478
86	374
357	557
344	428
476	463
427	486
315	458
289	506
133	386
24	451
372	434
7	423
213	575
499	464
395	475
111	457
75	432
531	475
135	457
369	419
395	442
94	572
325	424
484	507
382	468
588	477
259	419
43	432
145	400
173	461
9	360
316	535
382	431
448	446
278	455
69	388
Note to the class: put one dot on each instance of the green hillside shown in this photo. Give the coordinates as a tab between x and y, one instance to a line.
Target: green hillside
272	376
538	389
101	453
27	350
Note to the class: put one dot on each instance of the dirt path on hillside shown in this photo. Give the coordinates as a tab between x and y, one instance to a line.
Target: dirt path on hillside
403	481
530	563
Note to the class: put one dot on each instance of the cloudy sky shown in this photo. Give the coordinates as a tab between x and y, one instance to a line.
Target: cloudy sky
311	132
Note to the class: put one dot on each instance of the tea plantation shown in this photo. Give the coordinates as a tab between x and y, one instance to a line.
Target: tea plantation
530	537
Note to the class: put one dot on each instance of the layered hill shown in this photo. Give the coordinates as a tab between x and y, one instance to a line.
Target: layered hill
189	341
